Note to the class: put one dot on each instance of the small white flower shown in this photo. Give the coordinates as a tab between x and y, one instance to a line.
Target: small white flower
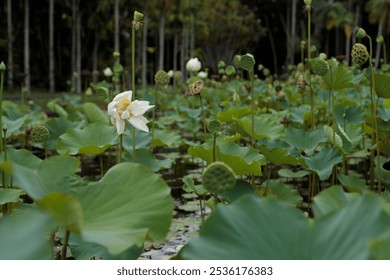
108	72
122	109
193	65
171	73
202	75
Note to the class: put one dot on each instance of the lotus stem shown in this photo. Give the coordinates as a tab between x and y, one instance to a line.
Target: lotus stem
251	74
203	118
154	115
65	245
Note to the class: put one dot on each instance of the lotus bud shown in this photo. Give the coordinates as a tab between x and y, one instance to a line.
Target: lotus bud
108	72
171	73
221	64
193	65
202	74
307	2
218	178
2	67
380	39
214	126
361	33
116	54
359	54
230	70
323	56
40	134
247	62
5	128
161	78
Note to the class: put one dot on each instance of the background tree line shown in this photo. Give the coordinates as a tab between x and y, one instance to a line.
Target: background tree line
54	45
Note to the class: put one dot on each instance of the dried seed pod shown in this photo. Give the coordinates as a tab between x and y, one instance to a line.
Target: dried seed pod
301	84
194	88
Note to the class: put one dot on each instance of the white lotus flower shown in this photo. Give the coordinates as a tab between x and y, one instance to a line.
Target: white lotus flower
193	65
122	109
171	73
202	75
108	72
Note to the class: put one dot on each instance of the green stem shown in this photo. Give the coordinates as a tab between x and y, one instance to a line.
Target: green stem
133	81
384	54
153	115
4	176
309	70
1	107
133	147
374	116
203	118
120	147
251	74
65	245
214	146
101	165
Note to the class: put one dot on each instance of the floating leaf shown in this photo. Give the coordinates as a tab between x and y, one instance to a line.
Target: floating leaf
92	140
322	163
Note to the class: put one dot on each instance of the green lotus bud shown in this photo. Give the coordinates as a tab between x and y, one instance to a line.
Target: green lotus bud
307	2
361	33
380	39
230	70
40	134
116	54
2	67
5	128
359	54
118	68
236	59
214	126
218	178
161	78
221	64
247	62
320	67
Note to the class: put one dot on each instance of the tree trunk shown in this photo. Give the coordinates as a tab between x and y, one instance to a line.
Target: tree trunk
192	31
144	49
348	38
184	51
273	47
161	36
78	49
116	31
95	57
175	38
73	52
381	22
51	47
10	63
27	79
293	30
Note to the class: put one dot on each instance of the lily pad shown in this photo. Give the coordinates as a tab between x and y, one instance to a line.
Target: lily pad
304	140
266	126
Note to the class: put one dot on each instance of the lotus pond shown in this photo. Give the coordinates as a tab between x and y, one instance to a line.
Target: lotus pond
234	166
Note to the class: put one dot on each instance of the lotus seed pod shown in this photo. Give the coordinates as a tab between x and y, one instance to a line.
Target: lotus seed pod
40	134
230	70
2	67
361	33
359	54
266	72
307	2
218	178
214	126
320	67
194	88
247	62
301	84
161	78
138	17
236	60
